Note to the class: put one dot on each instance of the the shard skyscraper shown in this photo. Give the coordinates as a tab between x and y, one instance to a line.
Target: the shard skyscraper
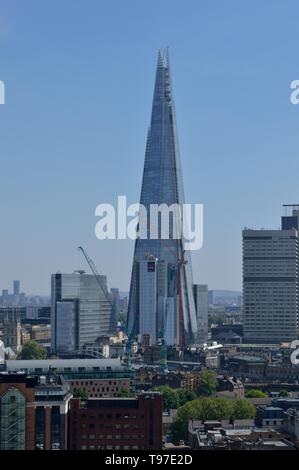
161	293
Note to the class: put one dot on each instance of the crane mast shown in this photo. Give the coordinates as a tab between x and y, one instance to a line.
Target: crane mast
115	311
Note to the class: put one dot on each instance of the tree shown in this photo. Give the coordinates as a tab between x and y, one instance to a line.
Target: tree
170	397
32	350
243	409
185	395
203	409
209	409
256	393
124	393
208	383
283	393
80	393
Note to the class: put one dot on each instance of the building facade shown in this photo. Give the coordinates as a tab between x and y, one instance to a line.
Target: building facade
33	413
12	331
270	285
95	378
80	313
118	424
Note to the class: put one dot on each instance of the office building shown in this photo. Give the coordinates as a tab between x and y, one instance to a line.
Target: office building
12	331
162	184
16	288
116	424
114	293
96	378
80	312
33	413
270	285
202	309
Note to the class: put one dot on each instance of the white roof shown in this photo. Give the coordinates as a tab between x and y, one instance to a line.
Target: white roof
60	364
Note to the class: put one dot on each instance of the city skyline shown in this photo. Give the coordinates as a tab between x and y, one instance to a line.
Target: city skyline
58	129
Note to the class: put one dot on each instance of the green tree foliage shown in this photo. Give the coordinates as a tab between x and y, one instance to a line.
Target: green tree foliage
256	393
243	409
124	393
170	397
32	350
283	393
173	398
185	395
80	393
208	383
209	409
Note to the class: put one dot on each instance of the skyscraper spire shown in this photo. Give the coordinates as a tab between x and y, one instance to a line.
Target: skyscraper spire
161	293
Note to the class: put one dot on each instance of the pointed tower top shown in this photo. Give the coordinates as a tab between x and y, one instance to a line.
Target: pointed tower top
163	57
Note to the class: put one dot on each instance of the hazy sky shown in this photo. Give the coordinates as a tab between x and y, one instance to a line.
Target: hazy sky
79	81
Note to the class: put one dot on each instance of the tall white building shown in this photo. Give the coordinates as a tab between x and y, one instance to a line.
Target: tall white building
148	298
80	313
270	285
158	302
202	308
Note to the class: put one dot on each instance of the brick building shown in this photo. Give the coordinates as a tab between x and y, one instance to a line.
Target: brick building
119	423
33	413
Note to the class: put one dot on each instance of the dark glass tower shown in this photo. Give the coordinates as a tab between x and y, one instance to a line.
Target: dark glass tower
161	296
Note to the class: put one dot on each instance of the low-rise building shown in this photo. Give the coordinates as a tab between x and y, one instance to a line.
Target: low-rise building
269	416
95	378
120	424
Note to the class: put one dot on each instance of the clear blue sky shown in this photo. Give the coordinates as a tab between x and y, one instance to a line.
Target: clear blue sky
79	80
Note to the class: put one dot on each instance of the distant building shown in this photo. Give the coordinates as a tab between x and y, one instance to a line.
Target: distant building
223	297
114	292
16	288
201	307
34	312
270	285
116	424
80	312
12	332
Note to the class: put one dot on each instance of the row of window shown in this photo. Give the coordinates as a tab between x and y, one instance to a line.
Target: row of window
110	436
109	447
111	426
112	415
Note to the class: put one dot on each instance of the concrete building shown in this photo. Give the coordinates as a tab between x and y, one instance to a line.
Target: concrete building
272	416
270	285
80	312
148	297
202	308
12	331
95	378
291	423
116	424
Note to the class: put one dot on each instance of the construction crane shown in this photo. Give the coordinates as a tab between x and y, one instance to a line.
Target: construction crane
115	311
164	367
